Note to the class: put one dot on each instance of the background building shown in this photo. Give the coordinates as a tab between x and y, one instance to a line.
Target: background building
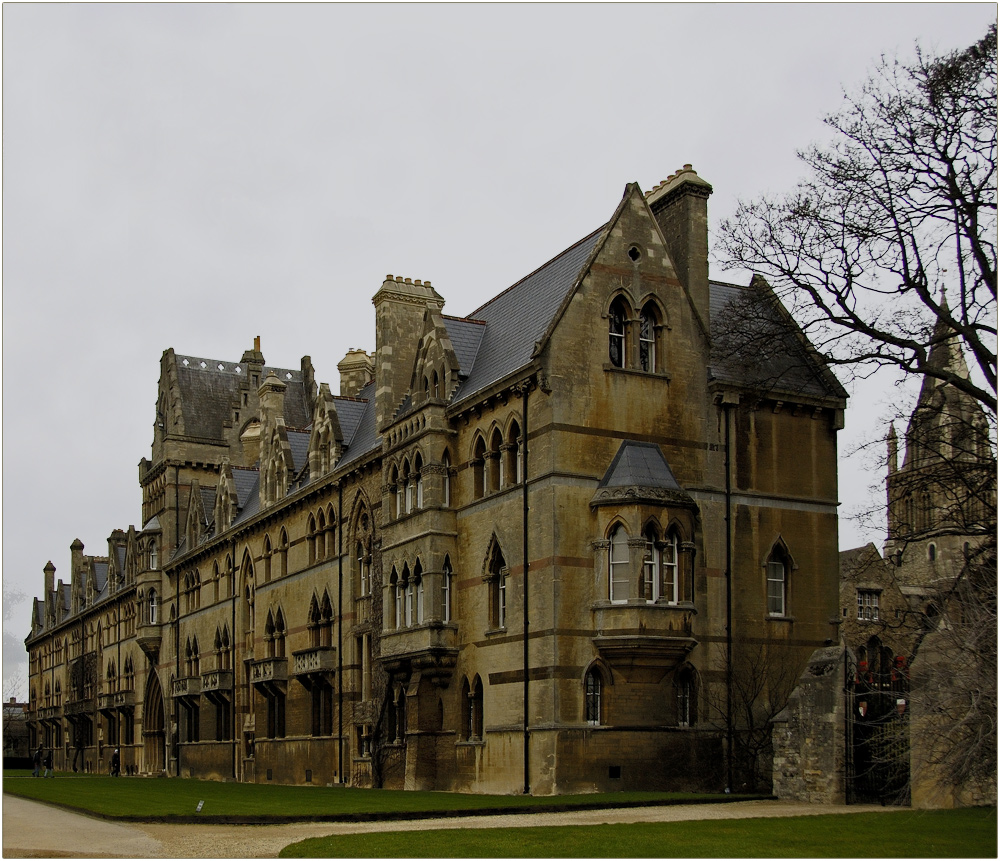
920	622
545	547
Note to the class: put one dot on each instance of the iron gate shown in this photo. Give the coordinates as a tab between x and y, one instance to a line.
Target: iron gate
877	731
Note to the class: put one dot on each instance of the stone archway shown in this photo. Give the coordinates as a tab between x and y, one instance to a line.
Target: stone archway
154	737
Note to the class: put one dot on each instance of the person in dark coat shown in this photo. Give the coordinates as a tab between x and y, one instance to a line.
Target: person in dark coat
116	764
36	761
49	770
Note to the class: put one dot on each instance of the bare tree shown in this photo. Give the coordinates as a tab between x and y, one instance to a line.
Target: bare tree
941	566
888	246
763	677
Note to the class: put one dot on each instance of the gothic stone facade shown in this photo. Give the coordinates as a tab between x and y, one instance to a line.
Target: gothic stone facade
496	561
898	610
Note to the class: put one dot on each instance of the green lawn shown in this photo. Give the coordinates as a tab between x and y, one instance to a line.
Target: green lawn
895	834
152	799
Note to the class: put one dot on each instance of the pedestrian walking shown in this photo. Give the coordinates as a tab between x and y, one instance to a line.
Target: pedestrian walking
49	770
36	761
116	764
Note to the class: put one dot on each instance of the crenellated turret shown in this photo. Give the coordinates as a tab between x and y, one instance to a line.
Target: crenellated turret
400	305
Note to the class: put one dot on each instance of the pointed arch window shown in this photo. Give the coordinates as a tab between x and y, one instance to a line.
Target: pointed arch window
472	710
418	481
497	578
651	567
672	569
418	589
446	590
396	598
686	697
495	472
446	478
777	582
617	317
648	324
363	570
618	566
154	607
592	697
479	468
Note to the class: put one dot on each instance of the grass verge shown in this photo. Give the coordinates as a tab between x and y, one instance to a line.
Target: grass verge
176	800
897	834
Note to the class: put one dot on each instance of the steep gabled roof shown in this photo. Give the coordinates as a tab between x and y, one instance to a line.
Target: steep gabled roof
209	388
519	317
756	343
357	421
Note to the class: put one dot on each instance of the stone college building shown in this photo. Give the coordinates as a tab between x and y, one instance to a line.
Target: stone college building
522	550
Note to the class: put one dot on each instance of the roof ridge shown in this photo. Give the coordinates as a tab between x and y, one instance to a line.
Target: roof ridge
468	319
539	269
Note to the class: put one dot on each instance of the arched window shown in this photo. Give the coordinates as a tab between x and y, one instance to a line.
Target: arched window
407	478
777	583
279	635
497	578
281	555
418	587
446	589
685	683
472	710
154	559
267	558
932	552
399	482
313	623
617	319
446	478
592	697
647	338
418	481
361	555
672	569
618	566
479	467
319	538
408	596
154	607
396	598
651	576
495	471
513	469
326	621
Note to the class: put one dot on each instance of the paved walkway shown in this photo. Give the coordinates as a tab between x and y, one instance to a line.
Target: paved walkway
33	830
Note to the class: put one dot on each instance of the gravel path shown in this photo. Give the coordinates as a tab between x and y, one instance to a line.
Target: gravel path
33	830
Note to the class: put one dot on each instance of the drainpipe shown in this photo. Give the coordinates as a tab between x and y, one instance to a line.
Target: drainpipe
232	697
232	662
340	632
726	408
524	562
177	675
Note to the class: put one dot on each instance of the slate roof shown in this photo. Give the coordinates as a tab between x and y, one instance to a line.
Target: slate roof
209	390
755	345
639	464
518	318
359	426
100	579
466	336
639	473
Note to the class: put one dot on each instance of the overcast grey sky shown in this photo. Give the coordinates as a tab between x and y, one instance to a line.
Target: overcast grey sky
191	176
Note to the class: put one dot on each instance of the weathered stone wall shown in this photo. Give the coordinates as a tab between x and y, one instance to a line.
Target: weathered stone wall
808	734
